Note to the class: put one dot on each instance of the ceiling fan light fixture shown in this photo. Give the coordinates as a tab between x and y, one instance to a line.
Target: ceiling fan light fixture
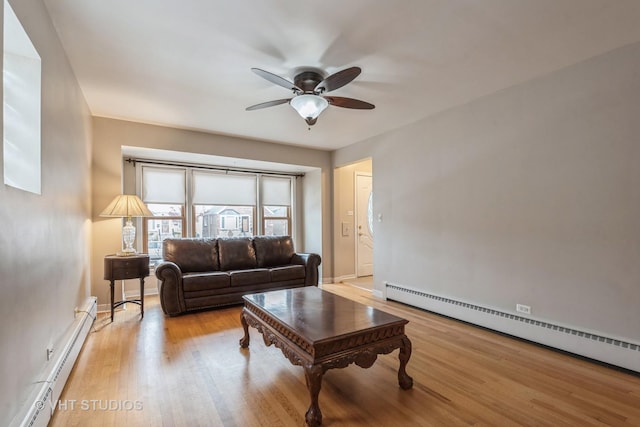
309	106
308	86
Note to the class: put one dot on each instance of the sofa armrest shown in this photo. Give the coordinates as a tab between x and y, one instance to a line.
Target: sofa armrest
170	288
311	263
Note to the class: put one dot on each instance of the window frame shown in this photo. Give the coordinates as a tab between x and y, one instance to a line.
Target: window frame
146	221
268	218
189	217
252	217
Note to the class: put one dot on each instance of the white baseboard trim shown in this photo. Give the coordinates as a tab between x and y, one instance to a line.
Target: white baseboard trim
378	294
590	344
136	293
346	278
38	409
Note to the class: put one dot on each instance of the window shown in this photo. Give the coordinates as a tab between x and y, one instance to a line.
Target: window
276	220
163	191
171	224
193	202
21	76
224	203
213	221
276	212
229	222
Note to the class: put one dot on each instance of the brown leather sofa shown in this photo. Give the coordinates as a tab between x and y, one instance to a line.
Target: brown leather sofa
198	274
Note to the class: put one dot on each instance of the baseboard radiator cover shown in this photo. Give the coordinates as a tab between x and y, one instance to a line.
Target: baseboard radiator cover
38	410
611	350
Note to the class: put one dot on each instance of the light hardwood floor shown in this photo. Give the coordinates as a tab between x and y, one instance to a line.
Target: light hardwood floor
190	371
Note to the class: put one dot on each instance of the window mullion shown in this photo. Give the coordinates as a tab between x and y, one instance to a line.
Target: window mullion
189	208
259	213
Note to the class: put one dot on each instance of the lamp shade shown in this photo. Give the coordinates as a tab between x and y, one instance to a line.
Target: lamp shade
309	106
126	206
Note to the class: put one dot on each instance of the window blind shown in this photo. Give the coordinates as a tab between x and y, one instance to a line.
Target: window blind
275	191
163	185
211	188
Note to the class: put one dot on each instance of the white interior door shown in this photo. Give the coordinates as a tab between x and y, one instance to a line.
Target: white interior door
364	233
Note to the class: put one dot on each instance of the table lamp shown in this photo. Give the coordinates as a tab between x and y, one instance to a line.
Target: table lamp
127	206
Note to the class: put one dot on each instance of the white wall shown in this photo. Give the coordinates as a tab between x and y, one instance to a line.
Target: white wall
44	239
530	195
110	135
315	224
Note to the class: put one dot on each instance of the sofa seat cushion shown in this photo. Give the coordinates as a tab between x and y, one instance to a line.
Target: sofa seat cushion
193	282
236	254
249	277
288	272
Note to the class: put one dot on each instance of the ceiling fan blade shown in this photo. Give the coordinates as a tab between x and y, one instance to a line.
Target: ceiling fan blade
280	81
268	104
337	80
339	101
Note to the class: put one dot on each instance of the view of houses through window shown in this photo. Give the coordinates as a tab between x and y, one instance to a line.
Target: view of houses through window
210	204
171	224
224	221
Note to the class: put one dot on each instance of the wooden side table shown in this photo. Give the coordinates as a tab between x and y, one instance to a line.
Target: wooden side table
126	267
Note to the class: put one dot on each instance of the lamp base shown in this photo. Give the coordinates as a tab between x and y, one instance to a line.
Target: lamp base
128	237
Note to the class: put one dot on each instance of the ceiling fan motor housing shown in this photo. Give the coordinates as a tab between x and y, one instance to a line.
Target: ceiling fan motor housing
307	81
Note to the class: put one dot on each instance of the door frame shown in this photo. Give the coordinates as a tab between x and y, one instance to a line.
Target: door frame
355	228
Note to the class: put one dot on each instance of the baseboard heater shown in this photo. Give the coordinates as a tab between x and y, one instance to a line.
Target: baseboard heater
39	409
593	345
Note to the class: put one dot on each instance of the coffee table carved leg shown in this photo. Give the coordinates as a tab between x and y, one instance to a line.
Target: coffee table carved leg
313	376
405	381
244	341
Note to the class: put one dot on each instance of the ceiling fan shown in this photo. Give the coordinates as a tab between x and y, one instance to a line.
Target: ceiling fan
309	87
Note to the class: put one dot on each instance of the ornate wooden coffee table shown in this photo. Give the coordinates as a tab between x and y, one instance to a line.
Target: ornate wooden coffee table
319	331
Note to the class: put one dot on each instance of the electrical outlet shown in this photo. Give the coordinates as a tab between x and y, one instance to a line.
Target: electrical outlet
49	353
521	308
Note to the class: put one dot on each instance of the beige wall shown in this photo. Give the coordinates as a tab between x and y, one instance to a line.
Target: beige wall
44	239
344	247
110	135
530	195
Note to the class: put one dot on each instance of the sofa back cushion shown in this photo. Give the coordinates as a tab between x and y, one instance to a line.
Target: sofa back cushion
236	254
272	251
192	255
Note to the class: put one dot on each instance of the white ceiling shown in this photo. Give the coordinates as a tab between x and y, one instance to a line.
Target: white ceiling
187	63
